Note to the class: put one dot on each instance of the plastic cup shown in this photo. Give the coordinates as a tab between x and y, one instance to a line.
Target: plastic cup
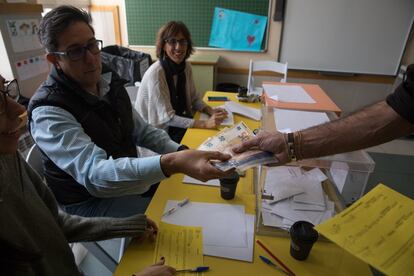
303	236
228	186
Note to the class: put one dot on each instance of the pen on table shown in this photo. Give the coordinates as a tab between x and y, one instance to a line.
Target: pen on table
197	269
173	209
269	262
275	258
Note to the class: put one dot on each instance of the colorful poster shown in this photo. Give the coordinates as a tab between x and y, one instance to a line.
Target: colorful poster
23	34
31	67
236	30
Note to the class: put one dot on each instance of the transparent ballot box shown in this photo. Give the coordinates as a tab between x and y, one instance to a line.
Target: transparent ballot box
284	194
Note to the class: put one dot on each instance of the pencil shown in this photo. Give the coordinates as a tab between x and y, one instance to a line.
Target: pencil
275	258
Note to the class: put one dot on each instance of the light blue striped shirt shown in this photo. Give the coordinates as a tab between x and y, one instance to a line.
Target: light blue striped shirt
63	139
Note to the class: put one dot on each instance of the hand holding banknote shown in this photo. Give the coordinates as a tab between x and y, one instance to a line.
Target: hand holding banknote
229	138
267	141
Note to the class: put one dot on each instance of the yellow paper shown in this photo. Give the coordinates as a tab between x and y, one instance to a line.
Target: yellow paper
379	229
181	246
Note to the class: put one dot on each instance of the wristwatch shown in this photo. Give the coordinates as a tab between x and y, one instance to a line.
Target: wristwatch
291	147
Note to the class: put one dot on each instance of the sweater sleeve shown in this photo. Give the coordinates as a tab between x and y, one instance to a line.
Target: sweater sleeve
77	228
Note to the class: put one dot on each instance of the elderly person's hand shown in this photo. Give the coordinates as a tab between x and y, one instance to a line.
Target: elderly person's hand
274	142
158	269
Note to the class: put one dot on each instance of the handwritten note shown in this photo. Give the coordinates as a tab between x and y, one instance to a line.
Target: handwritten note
378	228
181	246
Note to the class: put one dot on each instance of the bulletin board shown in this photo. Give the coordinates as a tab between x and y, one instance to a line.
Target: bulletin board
145	17
22	53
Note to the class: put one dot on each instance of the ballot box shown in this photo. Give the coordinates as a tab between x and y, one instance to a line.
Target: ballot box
311	189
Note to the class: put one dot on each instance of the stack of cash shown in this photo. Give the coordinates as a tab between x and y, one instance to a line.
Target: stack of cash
226	139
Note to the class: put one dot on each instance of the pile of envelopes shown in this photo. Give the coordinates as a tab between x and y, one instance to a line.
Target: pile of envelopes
297	195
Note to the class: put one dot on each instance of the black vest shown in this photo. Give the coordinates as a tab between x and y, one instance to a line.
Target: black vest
107	121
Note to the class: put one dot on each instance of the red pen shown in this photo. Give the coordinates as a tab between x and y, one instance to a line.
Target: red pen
275	258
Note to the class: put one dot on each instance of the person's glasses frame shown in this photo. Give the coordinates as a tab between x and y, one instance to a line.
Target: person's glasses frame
174	42
78	53
12	91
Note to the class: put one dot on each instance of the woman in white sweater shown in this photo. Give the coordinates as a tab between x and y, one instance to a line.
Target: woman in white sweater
34	232
167	97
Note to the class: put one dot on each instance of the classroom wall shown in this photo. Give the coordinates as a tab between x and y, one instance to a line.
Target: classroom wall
231	59
228	59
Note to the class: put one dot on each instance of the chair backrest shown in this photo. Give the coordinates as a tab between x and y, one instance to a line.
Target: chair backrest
34	159
265	65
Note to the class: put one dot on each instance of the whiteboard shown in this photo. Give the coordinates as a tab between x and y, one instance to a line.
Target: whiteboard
348	36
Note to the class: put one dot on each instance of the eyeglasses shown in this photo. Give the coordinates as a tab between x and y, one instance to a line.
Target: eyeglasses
12	91
78	53
174	42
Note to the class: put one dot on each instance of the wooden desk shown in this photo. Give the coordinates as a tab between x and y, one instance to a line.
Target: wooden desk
325	259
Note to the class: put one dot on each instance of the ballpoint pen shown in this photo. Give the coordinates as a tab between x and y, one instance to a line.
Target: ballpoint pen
197	269
269	262
173	209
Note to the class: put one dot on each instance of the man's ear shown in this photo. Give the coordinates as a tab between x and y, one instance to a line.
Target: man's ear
52	58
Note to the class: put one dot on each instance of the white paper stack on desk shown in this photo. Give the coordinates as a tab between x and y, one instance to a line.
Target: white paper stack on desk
297	195
228	231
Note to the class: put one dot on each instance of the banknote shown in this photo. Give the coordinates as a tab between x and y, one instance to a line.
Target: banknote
246	160
226	139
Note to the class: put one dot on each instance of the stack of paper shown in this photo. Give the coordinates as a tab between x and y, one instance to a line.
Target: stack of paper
297	195
249	112
227	230
294	120
291	93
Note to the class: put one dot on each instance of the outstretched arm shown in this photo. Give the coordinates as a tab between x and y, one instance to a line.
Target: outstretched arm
370	126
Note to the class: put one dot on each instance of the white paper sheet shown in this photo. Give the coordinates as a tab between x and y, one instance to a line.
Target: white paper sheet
339	172
211	182
223	224
236	253
297	120
283	209
288	93
248	112
313	192
270	219
229	121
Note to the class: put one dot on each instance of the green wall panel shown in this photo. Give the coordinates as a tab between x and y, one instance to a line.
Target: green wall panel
145	17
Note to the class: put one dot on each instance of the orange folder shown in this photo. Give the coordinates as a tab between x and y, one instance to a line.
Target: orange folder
323	102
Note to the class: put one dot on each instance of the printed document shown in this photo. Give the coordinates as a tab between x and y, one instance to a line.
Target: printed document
378	228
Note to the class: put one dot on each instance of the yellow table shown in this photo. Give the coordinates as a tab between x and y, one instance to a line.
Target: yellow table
325	259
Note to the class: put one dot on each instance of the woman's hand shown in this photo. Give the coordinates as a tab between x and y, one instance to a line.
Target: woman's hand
151	231
215	120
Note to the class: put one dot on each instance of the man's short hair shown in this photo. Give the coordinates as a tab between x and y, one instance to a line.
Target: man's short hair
56	21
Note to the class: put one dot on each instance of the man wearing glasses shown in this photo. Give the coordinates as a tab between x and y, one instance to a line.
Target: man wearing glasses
82	120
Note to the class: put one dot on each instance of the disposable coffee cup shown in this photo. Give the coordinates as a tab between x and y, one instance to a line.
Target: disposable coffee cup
303	236
228	186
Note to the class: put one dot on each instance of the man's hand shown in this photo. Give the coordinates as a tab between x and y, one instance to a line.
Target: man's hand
267	141
158	269
194	163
